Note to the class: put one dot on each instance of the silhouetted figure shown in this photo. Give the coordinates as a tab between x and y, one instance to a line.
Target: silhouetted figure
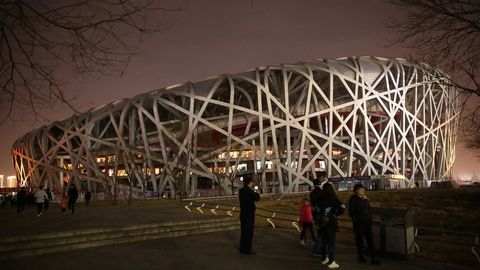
361	215
88	196
331	208
316	197
50	197
30	199
21	197
72	195
247	215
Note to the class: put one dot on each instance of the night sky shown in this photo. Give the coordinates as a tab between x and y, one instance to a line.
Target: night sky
215	36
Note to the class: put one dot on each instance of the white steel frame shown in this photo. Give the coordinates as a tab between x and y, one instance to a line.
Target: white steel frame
358	115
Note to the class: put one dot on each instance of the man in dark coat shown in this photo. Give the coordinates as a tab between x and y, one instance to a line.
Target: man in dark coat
316	197
247	215
88	196
21	197
359	211
72	196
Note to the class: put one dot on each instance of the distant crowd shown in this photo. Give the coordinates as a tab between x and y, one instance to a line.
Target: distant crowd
41	198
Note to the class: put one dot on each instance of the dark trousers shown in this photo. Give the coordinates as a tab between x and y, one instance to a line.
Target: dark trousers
364	230
39	208
305	226
246	234
317	248
71	205
328	244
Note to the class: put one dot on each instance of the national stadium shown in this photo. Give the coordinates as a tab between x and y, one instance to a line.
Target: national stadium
348	119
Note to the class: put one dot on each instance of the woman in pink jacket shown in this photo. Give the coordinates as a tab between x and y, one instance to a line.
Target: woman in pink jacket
306	220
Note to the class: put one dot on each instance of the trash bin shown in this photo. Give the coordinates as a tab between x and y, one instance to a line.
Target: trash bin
393	231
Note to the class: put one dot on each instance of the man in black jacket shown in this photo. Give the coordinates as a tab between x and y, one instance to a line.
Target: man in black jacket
247	215
359	211
316	197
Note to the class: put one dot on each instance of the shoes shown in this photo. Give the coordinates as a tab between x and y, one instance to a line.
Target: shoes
325	261
376	262
248	253
333	265
362	259
317	254
38	215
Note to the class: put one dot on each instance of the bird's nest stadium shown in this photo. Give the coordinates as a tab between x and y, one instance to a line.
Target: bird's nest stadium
283	124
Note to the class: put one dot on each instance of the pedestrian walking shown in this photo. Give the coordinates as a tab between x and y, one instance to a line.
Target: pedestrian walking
21	197
331	208
63	203
360	212
72	195
40	198
306	220
87	196
247	199
50	198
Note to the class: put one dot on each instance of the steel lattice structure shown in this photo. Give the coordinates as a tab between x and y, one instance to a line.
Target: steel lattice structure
284	123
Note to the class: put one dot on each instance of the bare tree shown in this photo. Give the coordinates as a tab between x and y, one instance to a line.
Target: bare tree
445	35
95	37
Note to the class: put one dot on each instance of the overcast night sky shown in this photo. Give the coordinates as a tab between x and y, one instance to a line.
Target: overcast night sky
215	36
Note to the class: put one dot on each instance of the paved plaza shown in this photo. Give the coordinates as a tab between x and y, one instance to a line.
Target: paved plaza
276	249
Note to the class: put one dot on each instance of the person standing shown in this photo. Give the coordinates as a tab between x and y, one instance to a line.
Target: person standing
40	198
87	196
247	199
316	197
306	219
21	197
360	213
63	203
331	208
72	195
50	197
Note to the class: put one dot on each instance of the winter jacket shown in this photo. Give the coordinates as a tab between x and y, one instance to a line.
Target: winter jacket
332	208
40	196
247	203
316	197
305	214
359	209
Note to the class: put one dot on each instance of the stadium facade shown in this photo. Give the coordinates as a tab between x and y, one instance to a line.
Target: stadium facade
284	124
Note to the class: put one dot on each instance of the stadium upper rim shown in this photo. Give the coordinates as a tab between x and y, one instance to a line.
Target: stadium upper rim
340	60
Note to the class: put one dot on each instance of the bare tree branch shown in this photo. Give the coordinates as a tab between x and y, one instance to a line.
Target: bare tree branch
445	35
88	36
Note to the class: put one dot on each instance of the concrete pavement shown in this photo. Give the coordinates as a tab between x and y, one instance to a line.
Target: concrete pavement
277	249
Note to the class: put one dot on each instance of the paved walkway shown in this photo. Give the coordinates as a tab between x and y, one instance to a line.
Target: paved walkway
277	249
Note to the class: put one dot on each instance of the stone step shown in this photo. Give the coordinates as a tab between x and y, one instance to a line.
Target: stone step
47	236
32	247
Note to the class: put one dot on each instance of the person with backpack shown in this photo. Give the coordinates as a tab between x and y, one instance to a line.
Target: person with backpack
331	208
